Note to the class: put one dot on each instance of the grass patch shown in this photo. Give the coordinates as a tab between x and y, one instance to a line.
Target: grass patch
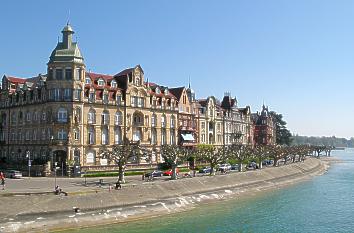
112	174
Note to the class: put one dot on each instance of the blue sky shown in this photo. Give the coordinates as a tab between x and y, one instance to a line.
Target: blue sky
296	56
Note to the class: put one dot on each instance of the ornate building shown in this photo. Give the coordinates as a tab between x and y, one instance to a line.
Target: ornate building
210	121
68	115
187	122
238	126
264	132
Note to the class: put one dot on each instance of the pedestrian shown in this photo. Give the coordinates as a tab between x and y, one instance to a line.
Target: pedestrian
109	188
118	185
2	178
143	177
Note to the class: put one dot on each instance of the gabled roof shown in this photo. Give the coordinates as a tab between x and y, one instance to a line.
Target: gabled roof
95	76
16	79
177	91
125	72
129	70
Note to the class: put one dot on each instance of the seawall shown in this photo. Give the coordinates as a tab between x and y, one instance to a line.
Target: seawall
48	212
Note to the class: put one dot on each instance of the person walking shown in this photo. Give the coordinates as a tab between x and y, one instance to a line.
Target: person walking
2	179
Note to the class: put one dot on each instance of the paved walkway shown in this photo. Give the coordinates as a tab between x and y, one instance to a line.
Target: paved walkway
38	185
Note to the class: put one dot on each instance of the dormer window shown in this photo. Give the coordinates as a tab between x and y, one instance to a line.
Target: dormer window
137	81
166	91
114	84
87	80
100	82
158	90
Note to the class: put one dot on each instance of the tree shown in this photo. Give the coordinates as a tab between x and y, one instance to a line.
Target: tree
174	155
283	135
212	155
120	154
261	152
239	153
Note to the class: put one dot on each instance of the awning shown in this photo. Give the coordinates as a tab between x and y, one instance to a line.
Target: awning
187	137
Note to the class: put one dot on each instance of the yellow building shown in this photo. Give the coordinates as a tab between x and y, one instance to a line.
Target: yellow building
68	115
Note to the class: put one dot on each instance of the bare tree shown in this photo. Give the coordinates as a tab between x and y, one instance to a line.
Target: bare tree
174	155
120	155
212	155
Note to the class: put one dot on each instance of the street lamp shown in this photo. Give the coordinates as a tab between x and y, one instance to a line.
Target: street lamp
28	155
54	162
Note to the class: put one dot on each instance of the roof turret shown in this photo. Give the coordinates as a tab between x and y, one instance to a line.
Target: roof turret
67	50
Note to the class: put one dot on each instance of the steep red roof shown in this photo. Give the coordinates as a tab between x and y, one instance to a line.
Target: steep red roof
95	76
16	79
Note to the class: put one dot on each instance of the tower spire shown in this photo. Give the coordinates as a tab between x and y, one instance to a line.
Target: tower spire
189	82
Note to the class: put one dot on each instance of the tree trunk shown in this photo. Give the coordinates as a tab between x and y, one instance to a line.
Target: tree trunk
212	170
275	162
121	171
260	163
174	173
240	168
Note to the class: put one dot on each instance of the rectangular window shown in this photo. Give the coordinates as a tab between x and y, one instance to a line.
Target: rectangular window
119	100
78	74
57	94
105	98
59	74
76	135
68	74
91	97
67	94
77	94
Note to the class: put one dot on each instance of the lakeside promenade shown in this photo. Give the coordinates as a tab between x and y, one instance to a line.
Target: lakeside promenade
23	213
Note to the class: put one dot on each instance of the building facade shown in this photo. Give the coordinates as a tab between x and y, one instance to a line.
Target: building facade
210	121
187	121
237	124
69	114
264	128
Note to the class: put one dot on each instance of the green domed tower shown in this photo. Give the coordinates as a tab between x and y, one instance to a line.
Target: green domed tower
65	82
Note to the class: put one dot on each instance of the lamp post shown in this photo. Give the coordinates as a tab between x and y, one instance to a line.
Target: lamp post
54	163
28	155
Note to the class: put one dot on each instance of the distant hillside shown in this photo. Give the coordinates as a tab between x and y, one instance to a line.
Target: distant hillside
327	141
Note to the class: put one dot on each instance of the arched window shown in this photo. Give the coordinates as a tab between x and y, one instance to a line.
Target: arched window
105	118
173	121
91	135
153	120
90	157
118	119
117	135
62	115
100	82
87	80
91	117
104	136
138	119
76	134
137	135
163	121
163	136
114	84
172	137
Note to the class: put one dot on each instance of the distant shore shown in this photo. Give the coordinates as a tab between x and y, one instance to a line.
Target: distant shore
50	212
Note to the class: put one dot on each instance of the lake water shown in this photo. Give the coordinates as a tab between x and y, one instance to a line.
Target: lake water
322	204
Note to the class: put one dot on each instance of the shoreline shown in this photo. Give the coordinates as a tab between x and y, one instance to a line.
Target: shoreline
155	199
